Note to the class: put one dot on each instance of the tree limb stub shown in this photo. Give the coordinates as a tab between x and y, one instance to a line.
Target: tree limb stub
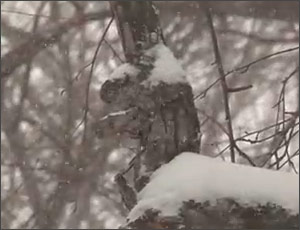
138	26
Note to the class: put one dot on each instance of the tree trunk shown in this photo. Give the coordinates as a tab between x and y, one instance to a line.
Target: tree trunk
163	117
138	27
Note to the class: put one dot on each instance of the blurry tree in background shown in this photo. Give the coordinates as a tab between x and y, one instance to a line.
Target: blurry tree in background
55	56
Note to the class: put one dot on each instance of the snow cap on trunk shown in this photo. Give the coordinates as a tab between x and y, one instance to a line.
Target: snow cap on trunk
166	68
124	70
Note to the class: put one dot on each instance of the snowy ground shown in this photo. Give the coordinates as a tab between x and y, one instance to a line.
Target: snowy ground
196	177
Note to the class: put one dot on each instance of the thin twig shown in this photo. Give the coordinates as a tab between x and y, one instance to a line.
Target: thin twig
28	167
27	50
296	153
261	130
222	151
244	67
16	142
284	82
223	83
257	132
244	155
281	104
90	63
277	142
27	75
28	14
81	70
286	152
291	74
241	153
258	38
277	128
239	89
256	140
286	140
85	117
213	120
114	51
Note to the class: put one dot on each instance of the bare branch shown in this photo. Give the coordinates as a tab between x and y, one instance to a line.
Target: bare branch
223	83
296	153
29	14
214	121
277	142
239	89
114	51
86	109
246	67
26	51
243	69
257	37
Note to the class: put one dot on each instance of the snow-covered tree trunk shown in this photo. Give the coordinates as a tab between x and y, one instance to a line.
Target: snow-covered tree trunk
150	101
152	89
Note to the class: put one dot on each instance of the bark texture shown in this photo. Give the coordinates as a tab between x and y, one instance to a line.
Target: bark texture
163	118
138	26
224	214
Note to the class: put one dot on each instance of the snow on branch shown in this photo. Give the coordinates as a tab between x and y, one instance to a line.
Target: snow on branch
166	68
191	176
124	70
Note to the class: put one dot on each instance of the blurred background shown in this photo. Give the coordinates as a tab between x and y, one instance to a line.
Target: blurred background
55	172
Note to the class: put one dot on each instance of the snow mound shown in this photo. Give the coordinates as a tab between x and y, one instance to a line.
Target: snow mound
166	69
124	70
191	176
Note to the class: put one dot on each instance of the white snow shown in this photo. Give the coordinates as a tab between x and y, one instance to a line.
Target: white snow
191	176
166	67
114	114
123	70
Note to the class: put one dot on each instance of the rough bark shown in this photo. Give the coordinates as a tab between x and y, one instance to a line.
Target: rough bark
224	214
163	118
138	27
